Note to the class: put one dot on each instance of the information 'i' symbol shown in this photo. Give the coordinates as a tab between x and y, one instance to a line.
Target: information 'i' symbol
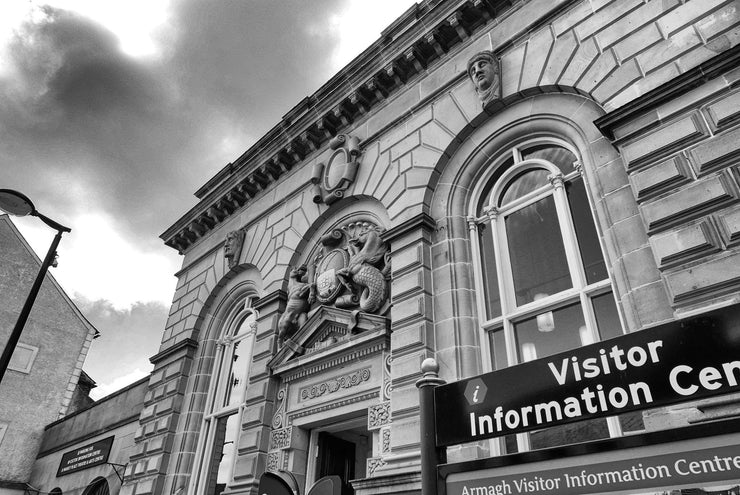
475	394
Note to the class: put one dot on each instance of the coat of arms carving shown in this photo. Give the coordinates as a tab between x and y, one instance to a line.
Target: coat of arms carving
331	180
350	270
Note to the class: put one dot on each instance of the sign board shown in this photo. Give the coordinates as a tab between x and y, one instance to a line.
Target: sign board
672	363
85	457
679	464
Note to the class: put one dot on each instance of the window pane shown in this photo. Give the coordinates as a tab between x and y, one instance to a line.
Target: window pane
588	240
490	278
222	457
607	317
549	333
498	341
523	184
538	262
246	325
237	377
486	195
557	155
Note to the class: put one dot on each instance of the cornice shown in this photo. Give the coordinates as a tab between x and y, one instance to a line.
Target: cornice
677	86
278	296
183	344
422	35
421	221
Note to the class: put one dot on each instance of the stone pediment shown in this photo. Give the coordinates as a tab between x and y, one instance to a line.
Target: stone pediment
328	333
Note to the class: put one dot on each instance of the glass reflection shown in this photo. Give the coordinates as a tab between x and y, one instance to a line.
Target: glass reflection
523	184
538	261
565	334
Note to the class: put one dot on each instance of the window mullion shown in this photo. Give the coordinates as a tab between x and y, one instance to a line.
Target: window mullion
572	255
480	289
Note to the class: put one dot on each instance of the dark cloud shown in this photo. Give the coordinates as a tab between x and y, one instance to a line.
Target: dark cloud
128	338
84	125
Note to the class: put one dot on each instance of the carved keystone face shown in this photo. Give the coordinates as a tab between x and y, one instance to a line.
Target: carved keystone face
483	74
475	391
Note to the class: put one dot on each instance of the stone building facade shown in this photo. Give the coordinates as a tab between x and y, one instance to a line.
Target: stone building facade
43	374
87	451
488	183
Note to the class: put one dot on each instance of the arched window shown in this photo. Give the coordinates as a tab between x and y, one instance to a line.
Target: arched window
98	486
222	418
542	272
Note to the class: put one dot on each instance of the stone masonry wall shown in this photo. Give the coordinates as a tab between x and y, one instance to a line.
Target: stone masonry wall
609	51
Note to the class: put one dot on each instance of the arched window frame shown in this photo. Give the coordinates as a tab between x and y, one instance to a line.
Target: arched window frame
240	328
494	217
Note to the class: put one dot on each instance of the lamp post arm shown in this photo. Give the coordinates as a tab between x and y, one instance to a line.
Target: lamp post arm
23	316
51	223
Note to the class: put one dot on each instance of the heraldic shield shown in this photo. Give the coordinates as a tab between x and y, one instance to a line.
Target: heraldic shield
328	285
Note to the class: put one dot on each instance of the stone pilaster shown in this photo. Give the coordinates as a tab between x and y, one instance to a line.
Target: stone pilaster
155	439
412	340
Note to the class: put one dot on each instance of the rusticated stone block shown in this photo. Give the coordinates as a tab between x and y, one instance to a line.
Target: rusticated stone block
663	141
715	152
660	177
729	225
714	278
691	202
685	244
725	111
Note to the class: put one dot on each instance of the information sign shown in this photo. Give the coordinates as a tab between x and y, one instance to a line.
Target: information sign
720	464
85	457
676	362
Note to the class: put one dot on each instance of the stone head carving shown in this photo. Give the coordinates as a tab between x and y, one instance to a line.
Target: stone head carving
233	247
483	70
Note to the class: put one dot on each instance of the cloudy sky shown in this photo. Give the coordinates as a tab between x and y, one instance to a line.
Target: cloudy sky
112	113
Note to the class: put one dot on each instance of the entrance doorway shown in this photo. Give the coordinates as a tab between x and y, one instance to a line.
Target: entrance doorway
340	449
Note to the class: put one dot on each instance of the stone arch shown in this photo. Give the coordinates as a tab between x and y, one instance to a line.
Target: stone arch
238	283
565	116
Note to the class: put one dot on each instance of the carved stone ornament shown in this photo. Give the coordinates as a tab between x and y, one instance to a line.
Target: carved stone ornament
350	271
331	180
485	72
378	415
330	386
352	268
300	297
233	247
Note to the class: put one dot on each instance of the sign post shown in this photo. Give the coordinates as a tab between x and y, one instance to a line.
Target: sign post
431	456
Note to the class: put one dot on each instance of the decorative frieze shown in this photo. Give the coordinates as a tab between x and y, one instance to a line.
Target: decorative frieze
378	415
334	384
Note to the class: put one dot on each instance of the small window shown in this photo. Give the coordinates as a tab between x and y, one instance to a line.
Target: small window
22	358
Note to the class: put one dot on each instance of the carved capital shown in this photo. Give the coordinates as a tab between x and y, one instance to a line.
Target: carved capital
556	180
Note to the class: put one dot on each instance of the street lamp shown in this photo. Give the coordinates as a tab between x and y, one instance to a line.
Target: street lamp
18	204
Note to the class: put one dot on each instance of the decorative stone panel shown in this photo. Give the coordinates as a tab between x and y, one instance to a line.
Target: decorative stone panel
378	415
385	440
281	439
373	463
274	460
